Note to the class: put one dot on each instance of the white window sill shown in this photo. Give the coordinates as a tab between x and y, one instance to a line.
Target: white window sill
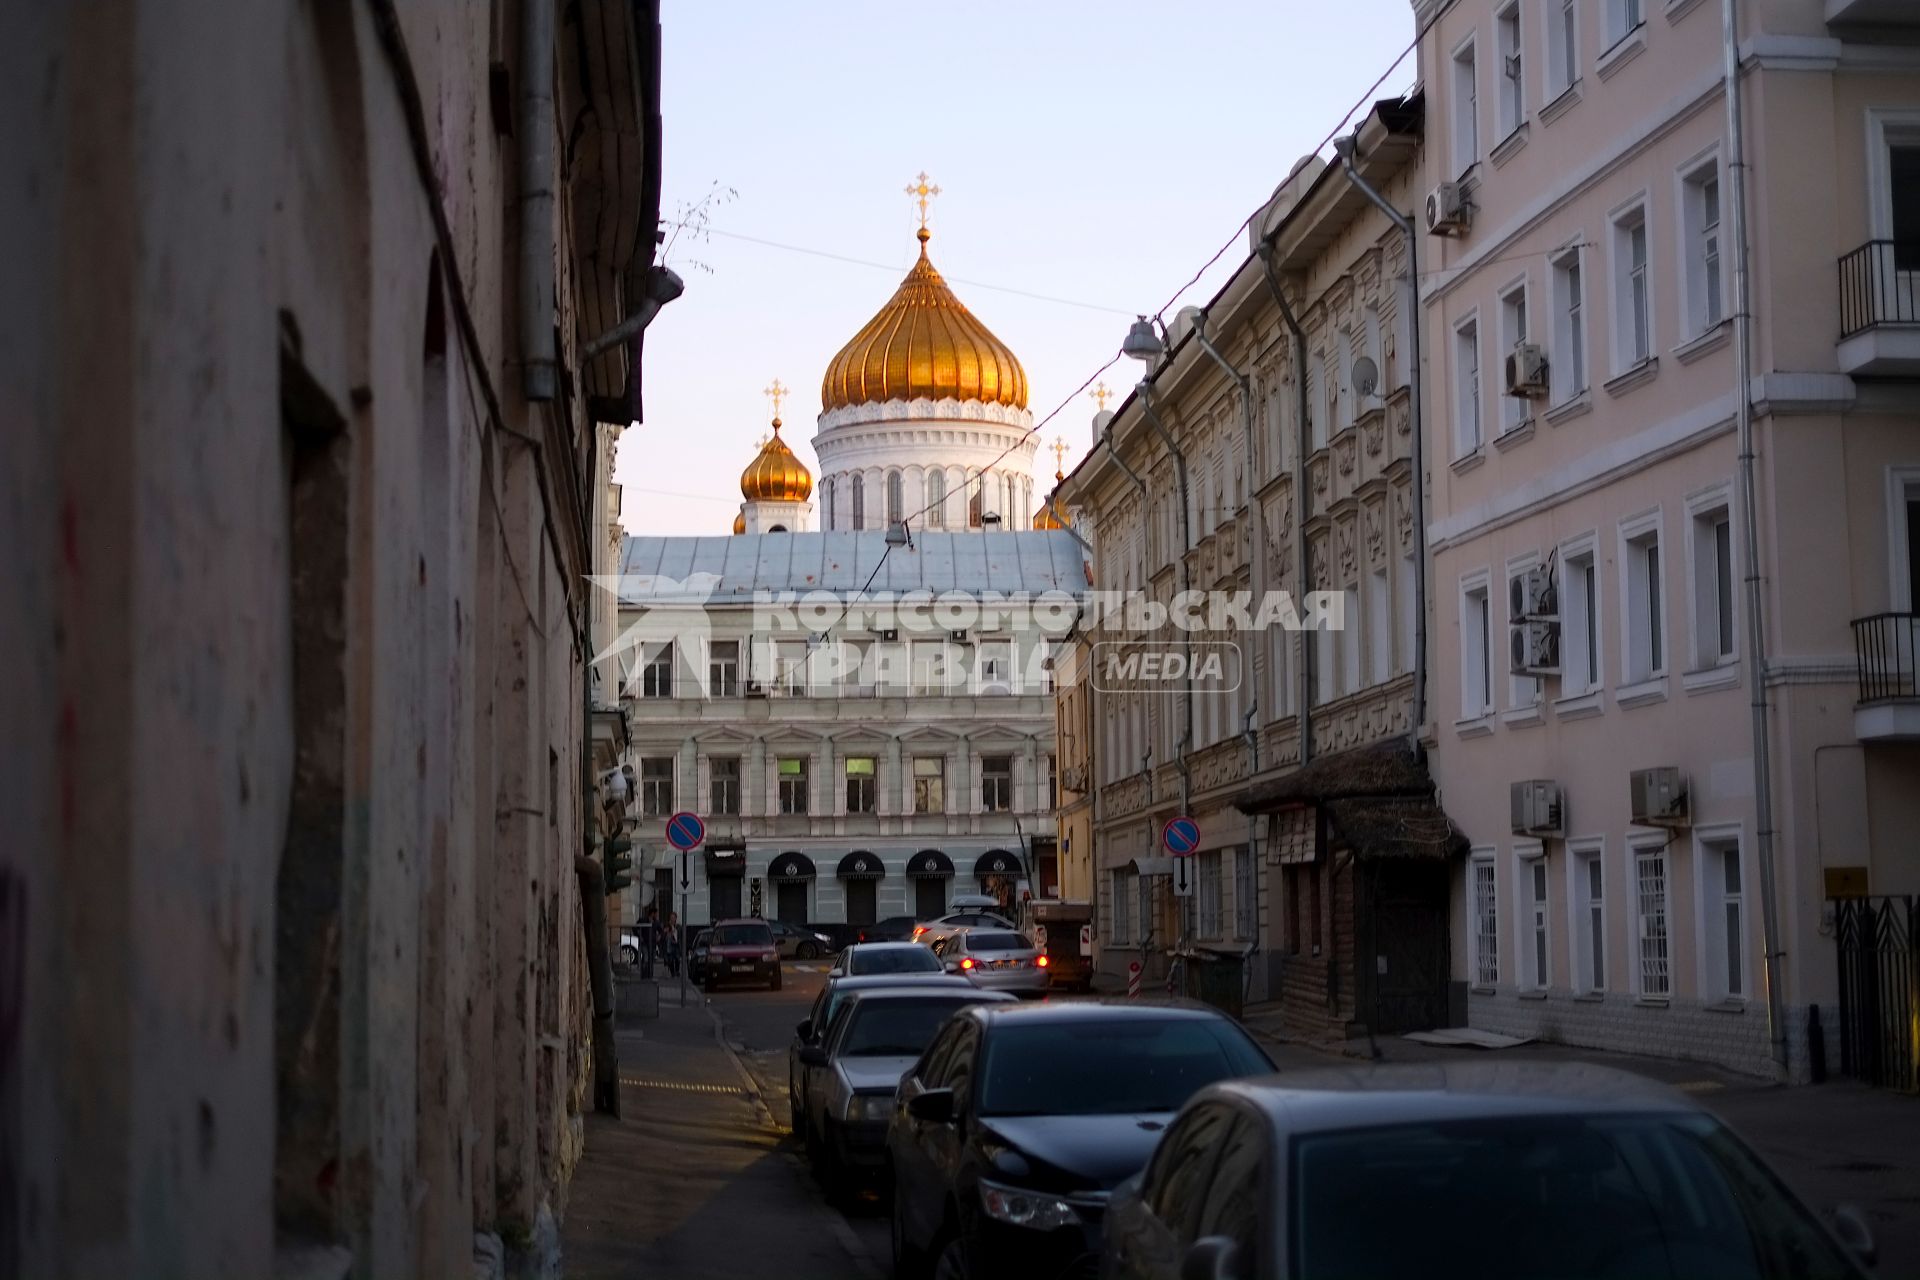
1523	717
1567	410
1678	9
1735	1005
1475	726
1468	462
1624	50
1532	993
1562	103
1651	1002
1642	694
1509	146
1519	433
1589	997
1724	676
1482	991
1638	375
1706	344
1580	705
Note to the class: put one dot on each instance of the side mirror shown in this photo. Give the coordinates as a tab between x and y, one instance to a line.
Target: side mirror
1209	1258
935	1106
813	1055
804	1028
953	966
1850	1224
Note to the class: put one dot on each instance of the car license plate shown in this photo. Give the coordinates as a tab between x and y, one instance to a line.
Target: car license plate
743	968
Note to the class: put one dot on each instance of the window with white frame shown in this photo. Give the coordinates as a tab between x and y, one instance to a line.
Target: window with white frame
862	784
1642	588
792	773
1379	622
1536	953
723	785
1624	17
1522	691
1654	977
1476	649
656	677
1207	890
1513	109
1567	363
1632	290
1466	109
1579	621
1563	46
1483	897
1587	871
826	507
896	498
1246	904
1700	228
1120	920
1466	388
936	515
1715	642
859	502
1514	410
1723	935
723	668
1350	677
996	784
656	787
1326	665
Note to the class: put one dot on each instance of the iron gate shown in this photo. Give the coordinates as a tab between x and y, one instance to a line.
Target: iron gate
1879	990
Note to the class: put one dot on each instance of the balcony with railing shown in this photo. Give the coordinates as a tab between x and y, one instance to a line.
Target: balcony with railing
1880	308
1884	648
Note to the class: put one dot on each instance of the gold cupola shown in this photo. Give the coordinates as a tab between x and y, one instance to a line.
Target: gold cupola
1045	519
924	345
739	523
775	475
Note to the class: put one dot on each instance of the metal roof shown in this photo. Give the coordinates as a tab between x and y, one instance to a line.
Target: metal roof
735	567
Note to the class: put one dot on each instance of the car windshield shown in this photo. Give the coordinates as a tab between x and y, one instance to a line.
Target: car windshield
996	940
1081	1068
895	1028
913	959
1632	1197
742	935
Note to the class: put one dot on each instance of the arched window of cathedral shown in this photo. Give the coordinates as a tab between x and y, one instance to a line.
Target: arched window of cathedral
859	502
974	501
936	499
896	504
828	487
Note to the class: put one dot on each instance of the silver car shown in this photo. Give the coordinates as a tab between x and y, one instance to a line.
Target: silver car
864	959
996	959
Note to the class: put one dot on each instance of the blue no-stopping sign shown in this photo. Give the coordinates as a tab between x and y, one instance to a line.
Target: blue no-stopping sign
1181	836
685	831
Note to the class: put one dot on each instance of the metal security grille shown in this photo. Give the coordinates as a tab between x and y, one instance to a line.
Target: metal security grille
1879	990
1655	979
1486	926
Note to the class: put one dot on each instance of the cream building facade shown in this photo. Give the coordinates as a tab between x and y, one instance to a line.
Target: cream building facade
1589	541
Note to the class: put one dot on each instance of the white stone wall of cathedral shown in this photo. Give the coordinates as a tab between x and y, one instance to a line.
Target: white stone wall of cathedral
918	446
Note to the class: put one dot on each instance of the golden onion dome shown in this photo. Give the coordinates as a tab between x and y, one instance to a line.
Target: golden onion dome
740	523
775	475
1045	519
924	345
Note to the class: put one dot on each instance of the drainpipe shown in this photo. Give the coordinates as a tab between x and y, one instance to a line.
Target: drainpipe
1303	438
1346	147
1750	536
1186	589
539	369
1256	574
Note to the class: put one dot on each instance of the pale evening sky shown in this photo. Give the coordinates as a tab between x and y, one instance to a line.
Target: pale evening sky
1095	152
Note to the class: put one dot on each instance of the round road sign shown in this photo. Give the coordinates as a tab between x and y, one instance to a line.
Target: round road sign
1181	836
685	831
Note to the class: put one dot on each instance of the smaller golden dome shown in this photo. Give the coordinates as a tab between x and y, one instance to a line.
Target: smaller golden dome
1045	520
775	475
740	523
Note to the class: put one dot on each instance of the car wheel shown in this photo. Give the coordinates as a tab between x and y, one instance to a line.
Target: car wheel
952	1262
807	951
629	956
908	1263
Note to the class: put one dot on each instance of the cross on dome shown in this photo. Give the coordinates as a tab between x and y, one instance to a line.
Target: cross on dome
775	392
923	195
1059	458
1100	395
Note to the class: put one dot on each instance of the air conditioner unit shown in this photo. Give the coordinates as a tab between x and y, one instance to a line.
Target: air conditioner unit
1073	778
755	689
1534	648
1531	596
1447	210
1527	371
1538	808
1659	797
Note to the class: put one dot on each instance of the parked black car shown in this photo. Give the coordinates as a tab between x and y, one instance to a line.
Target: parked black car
892	929
812	1029
1011	1131
872	1039
697	956
1474	1171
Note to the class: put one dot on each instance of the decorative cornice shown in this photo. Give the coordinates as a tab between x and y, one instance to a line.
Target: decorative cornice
916	411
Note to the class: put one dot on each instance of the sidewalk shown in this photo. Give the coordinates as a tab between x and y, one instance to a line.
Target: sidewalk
1835	1143
690	1182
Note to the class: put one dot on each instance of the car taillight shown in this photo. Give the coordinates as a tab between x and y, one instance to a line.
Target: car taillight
918	930
966	962
1042	962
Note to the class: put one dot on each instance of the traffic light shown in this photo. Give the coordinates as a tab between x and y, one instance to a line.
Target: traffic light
617	866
